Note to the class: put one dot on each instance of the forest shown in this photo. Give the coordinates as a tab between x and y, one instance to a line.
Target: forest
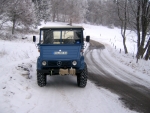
131	15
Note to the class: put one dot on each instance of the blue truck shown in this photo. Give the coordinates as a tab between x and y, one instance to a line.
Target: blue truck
61	53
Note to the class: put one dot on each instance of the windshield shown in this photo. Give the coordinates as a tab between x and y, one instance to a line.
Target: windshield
61	37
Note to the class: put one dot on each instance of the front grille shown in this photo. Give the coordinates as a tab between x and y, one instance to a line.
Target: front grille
59	63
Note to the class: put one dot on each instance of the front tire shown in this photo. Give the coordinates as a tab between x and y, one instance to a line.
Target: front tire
41	79
82	77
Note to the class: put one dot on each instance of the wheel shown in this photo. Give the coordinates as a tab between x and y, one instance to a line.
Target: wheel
41	79
82	77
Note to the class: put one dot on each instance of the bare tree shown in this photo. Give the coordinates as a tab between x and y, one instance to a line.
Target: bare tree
20	12
102	12
68	10
39	10
93	12
3	16
74	11
122	14
3	4
142	15
54	8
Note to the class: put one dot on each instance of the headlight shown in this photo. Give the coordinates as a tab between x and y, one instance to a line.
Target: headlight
74	63
44	63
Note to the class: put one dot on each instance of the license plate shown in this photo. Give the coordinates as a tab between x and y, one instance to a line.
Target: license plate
60	53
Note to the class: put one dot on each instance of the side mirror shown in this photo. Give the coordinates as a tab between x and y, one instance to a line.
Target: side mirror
34	38
87	38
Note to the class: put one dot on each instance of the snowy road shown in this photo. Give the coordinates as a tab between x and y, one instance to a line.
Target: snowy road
61	94
134	92
112	87
19	94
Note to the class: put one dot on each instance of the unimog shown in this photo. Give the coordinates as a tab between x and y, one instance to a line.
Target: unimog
61	53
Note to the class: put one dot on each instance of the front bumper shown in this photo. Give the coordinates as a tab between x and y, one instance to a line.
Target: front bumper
59	71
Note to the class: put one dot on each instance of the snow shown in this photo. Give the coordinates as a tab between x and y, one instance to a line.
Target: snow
20	92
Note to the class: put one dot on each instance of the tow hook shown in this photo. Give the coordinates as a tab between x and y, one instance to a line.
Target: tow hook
51	72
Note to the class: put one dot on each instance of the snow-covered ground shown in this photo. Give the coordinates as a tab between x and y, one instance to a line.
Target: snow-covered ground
112	39
19	92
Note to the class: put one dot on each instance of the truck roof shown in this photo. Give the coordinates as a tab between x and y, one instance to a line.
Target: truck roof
62	27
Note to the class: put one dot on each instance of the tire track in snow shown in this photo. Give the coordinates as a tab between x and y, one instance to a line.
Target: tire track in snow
130	93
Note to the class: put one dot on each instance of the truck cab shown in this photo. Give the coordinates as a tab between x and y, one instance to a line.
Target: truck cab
61	53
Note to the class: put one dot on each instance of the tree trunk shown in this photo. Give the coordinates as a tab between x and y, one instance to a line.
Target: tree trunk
54	17
54	14
70	23
14	24
138	30
124	21
148	50
143	21
124	44
147	56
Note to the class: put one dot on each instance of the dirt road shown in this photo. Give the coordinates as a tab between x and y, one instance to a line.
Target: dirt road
133	91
